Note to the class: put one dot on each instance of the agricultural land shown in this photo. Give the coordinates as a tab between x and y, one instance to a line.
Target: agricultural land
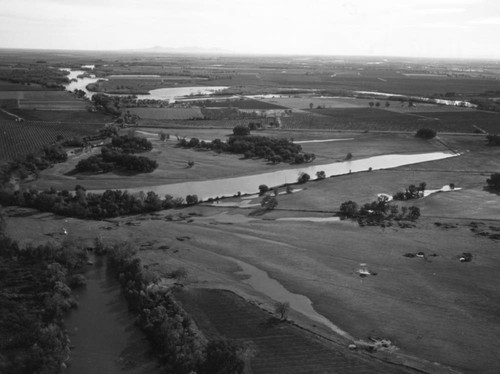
278	269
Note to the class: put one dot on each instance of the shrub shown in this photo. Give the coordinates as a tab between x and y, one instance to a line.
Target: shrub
263	188
241	130
269	202
425	133
494	181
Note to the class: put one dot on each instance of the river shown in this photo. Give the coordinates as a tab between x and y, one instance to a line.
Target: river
250	183
167	94
102	330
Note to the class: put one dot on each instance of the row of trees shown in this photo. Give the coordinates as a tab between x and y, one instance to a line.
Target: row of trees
111	203
35	296
252	146
180	346
377	211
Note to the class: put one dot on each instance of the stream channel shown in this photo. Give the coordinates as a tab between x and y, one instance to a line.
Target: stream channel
102	330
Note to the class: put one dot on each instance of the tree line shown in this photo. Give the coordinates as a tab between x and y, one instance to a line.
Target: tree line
35	294
180	346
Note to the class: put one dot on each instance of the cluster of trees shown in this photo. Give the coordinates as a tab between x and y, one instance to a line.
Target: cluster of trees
120	155
35	296
493	139
106	103
46	76
252	146
412	192
34	162
425	133
111	203
376	212
180	346
494	181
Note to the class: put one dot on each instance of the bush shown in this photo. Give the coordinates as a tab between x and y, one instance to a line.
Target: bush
269	202
241	130
425	133
494	181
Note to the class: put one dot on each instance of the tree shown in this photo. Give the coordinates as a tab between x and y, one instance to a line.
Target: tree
421	187
303	178
241	130
190	163
349	209
387	104
311	105
348	156
191	199
263	188
371	104
377	104
269	202
320	174
282	309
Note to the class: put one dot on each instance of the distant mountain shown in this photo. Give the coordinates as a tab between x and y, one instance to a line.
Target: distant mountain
187	50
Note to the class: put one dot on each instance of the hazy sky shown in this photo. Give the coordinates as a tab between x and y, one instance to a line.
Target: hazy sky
439	28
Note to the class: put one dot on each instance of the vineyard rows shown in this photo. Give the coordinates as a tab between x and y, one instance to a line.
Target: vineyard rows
20	138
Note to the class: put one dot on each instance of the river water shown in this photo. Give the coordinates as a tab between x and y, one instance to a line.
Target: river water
102	330
167	94
250	183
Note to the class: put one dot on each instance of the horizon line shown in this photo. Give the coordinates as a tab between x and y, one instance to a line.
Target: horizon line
221	52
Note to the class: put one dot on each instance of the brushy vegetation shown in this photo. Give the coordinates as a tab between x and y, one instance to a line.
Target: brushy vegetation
425	133
379	212
119	156
493	140
46	76
253	146
180	346
34	297
111	203
412	192
494	181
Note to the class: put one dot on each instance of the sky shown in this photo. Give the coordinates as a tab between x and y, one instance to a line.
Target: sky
416	28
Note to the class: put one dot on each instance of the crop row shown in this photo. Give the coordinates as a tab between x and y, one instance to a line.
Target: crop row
18	139
382	120
279	347
167	113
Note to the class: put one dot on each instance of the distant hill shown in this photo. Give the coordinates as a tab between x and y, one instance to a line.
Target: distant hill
181	50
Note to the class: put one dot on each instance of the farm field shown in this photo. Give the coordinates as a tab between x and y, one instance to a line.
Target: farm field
167	113
277	347
242	104
440	314
372	119
20	138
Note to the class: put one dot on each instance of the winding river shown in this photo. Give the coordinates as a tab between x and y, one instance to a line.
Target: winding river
250	183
